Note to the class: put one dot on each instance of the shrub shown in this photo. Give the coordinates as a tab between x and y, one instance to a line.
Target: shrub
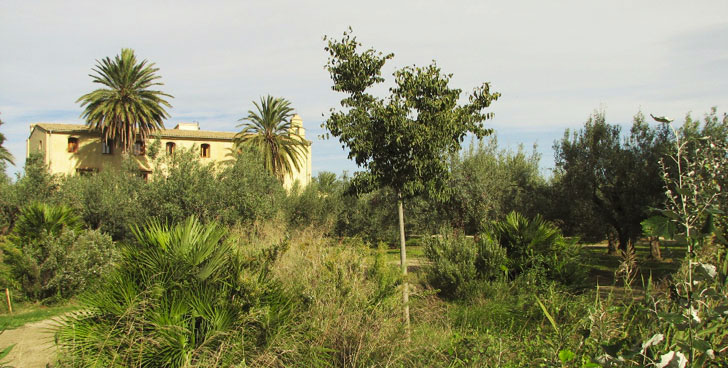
537	245
179	296
110	201
452	263
59	265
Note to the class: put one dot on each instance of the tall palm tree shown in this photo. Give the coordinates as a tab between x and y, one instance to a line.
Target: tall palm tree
4	153
268	130
126	109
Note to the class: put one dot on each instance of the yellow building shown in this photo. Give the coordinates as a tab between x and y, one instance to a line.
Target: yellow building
72	148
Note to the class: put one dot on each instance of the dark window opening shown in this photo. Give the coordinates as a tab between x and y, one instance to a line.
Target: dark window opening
205	150
139	148
107	147
73	144
170	148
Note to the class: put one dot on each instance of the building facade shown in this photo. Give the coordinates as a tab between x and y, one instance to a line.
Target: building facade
72	149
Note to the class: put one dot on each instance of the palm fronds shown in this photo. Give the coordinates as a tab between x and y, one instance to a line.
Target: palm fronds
268	130
126	109
4	153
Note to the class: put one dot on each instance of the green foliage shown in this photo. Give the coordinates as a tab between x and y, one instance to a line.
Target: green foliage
39	219
239	191
60	264
110	201
538	245
179	295
186	188
610	179
319	204
245	192
5	155
126	109
401	141
34	186
268	130
515	246
488	182
452	268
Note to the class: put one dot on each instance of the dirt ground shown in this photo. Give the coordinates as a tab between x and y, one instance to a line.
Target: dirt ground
34	345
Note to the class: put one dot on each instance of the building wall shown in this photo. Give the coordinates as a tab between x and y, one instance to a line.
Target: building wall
54	148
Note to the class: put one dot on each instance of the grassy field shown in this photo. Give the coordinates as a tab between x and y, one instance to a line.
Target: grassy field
27	313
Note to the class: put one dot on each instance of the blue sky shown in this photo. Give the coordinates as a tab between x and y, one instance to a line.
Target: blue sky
553	62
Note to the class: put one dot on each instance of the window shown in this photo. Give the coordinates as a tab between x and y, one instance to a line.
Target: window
139	148
170	148
40	146
205	151
72	144
107	147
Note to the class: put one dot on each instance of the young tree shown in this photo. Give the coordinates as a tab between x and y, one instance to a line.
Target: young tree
126	109
268	130
402	141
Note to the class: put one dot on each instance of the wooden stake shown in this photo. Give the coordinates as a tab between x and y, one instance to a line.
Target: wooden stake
7	297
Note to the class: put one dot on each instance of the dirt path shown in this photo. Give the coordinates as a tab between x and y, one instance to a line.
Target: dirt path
34	345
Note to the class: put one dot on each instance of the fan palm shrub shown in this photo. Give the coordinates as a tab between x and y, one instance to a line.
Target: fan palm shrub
50	257
39	218
179	295
538	246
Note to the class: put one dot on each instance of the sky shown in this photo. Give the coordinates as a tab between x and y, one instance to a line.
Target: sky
554	62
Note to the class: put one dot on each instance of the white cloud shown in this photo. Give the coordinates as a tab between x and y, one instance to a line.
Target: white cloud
554	64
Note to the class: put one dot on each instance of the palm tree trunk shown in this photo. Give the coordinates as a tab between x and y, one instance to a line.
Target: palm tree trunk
403	263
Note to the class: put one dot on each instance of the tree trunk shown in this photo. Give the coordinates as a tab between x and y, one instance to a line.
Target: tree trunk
655	248
624	240
611	243
403	263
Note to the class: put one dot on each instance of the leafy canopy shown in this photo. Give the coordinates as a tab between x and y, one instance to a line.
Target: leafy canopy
126	109
268	130
403	140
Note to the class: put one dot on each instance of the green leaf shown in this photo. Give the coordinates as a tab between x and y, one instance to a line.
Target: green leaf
6	351
701	345
548	315
659	226
709	226
673	318
670	214
683	191
566	356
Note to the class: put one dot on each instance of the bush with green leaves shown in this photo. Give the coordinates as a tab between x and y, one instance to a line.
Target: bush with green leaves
319	204
179	297
452	263
110	200
239	190
458	263
50	257
538	245
515	246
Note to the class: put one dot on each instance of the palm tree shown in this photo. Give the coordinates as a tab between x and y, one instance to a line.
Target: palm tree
126	110
4	154
268	130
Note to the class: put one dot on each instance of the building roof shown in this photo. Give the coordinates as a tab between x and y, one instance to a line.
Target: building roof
165	133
